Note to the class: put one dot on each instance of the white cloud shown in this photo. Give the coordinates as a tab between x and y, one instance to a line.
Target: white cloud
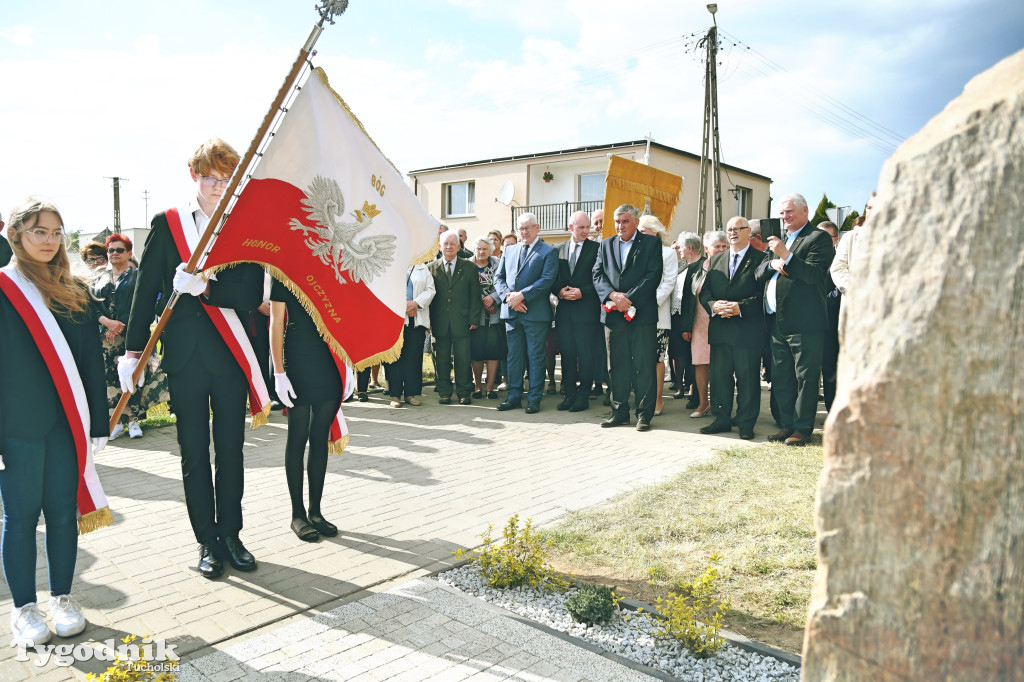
443	52
20	35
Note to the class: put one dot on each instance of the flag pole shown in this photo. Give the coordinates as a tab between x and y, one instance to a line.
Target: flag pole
328	10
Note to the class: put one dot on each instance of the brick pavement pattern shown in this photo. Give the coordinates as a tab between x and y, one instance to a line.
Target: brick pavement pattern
414	484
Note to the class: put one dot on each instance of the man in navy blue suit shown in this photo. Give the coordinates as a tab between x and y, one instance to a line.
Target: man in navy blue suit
523	282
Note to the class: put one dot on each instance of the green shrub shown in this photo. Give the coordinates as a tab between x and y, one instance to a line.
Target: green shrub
518	561
591	604
694	614
131	670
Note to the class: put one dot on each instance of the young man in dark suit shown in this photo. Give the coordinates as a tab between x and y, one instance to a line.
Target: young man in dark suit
627	273
458	301
735	301
523	282
578	315
203	374
793	275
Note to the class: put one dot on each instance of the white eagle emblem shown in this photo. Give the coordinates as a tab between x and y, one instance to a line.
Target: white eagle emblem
334	242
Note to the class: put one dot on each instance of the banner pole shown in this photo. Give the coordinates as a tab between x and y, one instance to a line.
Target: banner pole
327	9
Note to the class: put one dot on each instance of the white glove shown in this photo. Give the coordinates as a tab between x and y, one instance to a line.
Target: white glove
125	369
98	444
184	283
285	392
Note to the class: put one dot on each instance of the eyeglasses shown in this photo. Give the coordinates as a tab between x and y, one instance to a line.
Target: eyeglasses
116	249
214	182
41	236
96	259
736	229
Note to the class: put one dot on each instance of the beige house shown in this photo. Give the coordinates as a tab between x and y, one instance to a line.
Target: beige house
491	194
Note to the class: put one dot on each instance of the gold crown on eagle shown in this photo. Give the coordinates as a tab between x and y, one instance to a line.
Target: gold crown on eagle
370	209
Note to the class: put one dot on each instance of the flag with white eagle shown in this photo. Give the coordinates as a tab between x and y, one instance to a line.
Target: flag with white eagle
332	218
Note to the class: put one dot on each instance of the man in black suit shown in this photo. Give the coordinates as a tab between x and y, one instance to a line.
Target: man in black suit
627	273
735	301
578	315
5	246
457	303
793	275
202	373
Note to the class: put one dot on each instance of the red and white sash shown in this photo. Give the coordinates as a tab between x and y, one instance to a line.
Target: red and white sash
339	428
93	511
227	323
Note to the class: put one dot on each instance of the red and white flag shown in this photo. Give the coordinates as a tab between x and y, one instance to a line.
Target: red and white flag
331	218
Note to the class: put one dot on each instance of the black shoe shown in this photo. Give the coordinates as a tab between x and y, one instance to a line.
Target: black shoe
693	403
580	404
478	394
614	421
716	427
642	424
238	556
596	391
362	397
210	566
532	408
304	531
445	400
492	395
323	526
510	405
746	434
565	405
465	400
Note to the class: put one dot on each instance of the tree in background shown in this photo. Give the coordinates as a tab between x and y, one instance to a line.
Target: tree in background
819	213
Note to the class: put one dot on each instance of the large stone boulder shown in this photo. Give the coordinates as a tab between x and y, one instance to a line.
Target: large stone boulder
920	514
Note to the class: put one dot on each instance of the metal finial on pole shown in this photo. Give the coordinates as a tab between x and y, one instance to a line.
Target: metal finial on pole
329	9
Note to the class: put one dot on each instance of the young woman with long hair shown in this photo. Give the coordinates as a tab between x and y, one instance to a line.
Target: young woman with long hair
53	418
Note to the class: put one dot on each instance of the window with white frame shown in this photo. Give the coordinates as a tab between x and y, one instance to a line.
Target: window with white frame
460	199
744	195
591	186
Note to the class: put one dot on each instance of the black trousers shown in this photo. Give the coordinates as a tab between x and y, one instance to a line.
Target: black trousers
796	366
632	349
443	353
405	375
829	366
213	497
742	364
577	341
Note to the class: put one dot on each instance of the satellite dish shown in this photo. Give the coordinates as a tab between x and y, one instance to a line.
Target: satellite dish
508	190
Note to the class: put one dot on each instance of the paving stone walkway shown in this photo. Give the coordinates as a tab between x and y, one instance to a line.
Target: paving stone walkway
414	484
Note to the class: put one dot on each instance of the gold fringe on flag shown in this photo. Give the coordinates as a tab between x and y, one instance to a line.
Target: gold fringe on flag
260	418
637	184
95	519
338	446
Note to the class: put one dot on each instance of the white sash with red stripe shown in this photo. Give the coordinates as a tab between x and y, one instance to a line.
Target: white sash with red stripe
186	237
93	511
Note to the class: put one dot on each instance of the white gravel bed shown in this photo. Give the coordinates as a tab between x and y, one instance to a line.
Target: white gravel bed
629	635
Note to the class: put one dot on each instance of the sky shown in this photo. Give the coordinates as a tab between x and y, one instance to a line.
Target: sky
813	94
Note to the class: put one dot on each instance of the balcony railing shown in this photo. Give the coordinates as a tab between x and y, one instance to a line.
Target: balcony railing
554	217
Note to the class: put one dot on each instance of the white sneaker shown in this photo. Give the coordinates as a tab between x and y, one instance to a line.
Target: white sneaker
117	432
134	430
66	614
28	627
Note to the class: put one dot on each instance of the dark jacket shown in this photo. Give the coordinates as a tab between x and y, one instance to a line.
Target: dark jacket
458	302
587	308
683	322
34	407
800	295
190	335
743	288
638	278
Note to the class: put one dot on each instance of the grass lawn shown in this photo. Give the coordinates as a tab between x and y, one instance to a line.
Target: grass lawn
753	506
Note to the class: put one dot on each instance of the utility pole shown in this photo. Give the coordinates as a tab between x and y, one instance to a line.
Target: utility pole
117	201
145	197
711	149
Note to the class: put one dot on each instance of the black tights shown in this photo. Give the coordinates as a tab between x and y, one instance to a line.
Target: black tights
314	428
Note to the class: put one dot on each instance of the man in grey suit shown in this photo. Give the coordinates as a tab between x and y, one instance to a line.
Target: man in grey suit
523	282
627	273
457	303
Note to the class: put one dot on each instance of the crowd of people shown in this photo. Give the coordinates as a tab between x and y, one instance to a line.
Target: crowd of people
633	312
